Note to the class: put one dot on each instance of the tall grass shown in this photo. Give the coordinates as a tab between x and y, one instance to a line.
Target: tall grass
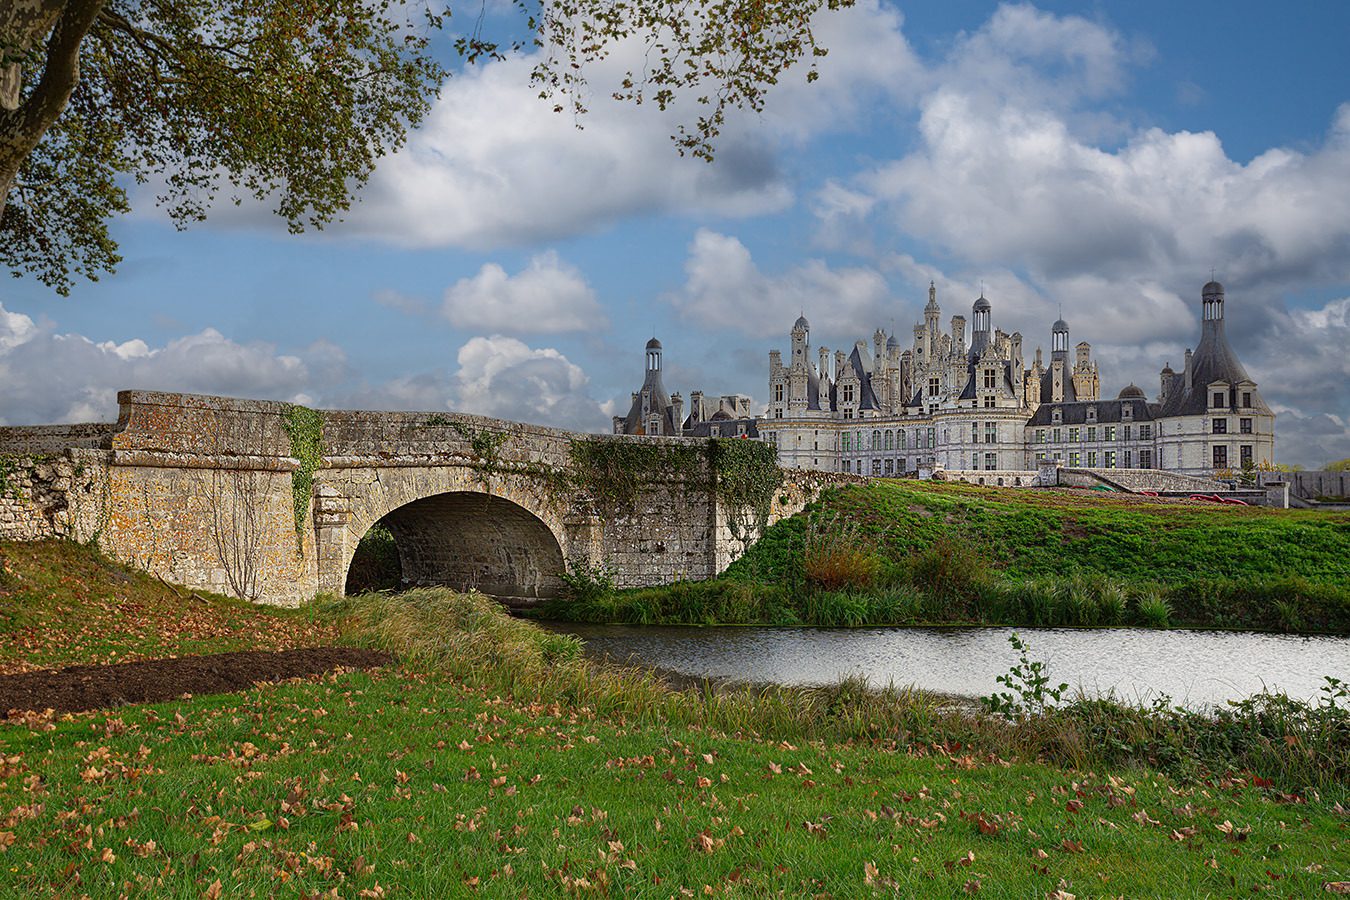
1292	744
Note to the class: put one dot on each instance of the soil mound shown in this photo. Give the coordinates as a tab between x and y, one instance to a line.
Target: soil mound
81	688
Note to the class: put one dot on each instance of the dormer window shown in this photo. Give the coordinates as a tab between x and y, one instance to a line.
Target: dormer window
1092	413
1057	416
1127	412
1218	399
846	393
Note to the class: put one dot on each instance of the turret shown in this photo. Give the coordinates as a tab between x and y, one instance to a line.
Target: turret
981	326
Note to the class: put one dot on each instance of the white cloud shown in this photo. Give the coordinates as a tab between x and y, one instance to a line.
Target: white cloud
52	377
725	289
503	377
548	296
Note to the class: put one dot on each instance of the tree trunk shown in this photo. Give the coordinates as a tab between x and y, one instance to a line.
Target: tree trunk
23	121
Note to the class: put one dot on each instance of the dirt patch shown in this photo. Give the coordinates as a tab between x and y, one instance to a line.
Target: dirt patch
80	688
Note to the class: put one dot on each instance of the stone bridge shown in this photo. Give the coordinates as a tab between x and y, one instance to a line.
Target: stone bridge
269	501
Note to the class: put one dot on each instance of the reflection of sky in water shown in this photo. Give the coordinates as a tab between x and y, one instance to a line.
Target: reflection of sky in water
1193	667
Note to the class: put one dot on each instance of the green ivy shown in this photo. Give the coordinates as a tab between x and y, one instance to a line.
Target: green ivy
747	475
305	428
9	467
485	444
613	472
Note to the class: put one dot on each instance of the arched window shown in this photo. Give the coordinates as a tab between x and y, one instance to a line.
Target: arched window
876	440
890	440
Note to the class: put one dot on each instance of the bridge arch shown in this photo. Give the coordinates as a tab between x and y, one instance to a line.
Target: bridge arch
458	529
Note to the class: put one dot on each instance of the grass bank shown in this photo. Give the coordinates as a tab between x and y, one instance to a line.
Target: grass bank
63	603
494	762
892	552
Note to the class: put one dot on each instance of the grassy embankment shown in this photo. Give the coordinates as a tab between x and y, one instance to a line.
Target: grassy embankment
493	761
929	553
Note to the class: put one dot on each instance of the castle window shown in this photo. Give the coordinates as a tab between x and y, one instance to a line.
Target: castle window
1092	414
1145	434
1073	459
1218	399
890	440
778	393
990	402
990	461
990	379
1246	398
1110	433
900	440
1057	415
846	393
1145	459
934	387
848	413
1127	413
1245	456
1110	459
1220	456
848	442
1057	435
1092	433
1073	435
1040	458
876	440
1127	459
1040	436
1220	426
778	414
1126	435
890	467
1092	459
932	438
1245	426
876	468
991	432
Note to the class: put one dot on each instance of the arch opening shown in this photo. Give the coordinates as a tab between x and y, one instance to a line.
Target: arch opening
471	541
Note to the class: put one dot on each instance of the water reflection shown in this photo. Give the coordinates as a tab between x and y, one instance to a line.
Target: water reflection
1192	667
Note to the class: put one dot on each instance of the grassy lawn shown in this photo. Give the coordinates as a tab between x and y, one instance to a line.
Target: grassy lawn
492	761
416	784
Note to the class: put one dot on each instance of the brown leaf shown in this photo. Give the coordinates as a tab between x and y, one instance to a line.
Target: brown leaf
1069	846
1336	887
972	886
213	892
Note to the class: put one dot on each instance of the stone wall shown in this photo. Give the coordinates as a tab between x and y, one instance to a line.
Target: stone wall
992	478
51	440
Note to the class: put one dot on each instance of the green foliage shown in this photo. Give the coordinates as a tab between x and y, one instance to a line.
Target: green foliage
586	581
486	445
747	476
1341	465
437	420
375	565
614	472
304	426
9	471
292	102
1030	680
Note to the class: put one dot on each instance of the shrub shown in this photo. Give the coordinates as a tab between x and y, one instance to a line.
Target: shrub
585	581
1153	610
833	557
950	568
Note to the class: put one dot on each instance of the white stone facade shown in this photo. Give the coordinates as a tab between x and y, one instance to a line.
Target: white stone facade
943	405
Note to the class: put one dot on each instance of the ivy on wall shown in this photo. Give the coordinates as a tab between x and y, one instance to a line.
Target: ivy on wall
743	474
613	472
304	426
485	444
747	477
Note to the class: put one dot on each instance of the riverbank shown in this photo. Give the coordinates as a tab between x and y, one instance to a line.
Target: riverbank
927	553
491	760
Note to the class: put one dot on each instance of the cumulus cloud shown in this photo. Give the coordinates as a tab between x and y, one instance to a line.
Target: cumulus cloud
503	377
725	289
548	296
493	166
51	377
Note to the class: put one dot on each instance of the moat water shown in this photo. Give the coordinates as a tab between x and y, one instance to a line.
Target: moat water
1193	668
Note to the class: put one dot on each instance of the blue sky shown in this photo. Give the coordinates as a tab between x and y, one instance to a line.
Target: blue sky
1095	158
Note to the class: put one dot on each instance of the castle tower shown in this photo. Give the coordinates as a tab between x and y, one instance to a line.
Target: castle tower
981	326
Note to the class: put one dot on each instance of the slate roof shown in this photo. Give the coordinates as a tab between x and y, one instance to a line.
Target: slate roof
1109	412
